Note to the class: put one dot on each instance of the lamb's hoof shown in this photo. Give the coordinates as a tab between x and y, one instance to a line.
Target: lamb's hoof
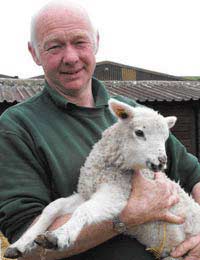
12	252
47	240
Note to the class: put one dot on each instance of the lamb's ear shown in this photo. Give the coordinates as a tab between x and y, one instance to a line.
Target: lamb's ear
120	109
171	120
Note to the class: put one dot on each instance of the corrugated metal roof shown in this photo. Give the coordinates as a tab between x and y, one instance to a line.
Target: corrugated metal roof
156	90
12	90
18	90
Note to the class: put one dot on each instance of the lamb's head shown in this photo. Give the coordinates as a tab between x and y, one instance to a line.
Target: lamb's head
143	134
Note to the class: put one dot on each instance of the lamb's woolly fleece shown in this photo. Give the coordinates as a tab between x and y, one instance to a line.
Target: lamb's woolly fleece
105	185
106	163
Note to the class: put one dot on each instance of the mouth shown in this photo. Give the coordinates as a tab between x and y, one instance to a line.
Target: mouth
155	167
71	72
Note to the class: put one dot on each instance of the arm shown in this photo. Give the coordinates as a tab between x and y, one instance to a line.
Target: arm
191	245
196	192
22	166
23	185
131	215
150	200
89	237
184	167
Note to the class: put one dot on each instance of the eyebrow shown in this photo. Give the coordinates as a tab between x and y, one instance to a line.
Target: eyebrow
51	38
60	37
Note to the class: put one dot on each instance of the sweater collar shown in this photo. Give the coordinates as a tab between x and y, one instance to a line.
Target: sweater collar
100	95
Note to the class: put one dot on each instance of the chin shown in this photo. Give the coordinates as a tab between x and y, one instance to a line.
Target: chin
73	85
67	85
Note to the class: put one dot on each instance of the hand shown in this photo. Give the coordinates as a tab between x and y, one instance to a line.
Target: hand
151	200
190	246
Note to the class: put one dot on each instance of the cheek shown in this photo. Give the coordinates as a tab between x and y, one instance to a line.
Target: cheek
51	63
88	57
92	64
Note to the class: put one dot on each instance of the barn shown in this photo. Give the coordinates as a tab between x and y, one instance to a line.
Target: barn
180	98
108	70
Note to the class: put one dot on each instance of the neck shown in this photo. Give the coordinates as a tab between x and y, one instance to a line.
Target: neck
82	97
82	100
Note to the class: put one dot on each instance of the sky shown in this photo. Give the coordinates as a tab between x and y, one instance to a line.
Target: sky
157	35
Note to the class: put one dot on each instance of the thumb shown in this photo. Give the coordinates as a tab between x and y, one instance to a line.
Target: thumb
171	218
137	177
140	181
185	246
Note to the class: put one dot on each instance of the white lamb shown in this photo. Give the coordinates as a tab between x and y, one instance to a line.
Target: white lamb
137	140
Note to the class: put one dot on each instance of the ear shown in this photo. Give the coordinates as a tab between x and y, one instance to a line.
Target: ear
34	54
97	43
171	120
120	109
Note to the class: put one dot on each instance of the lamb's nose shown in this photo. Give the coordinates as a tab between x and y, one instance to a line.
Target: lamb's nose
162	159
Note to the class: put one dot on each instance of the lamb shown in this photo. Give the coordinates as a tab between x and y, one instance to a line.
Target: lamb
136	141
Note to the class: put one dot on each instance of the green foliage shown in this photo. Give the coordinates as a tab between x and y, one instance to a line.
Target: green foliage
192	78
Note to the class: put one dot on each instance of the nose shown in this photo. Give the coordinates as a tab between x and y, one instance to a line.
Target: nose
162	159
155	166
70	55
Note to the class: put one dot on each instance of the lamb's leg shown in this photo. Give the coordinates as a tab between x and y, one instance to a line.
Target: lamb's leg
50	213
106	203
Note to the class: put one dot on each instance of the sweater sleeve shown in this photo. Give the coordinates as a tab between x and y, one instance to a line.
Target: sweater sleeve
23	185
183	167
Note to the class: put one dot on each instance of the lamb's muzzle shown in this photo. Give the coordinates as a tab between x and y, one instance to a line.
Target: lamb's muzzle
157	167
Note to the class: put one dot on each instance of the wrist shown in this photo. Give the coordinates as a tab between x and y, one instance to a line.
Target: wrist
124	216
118	225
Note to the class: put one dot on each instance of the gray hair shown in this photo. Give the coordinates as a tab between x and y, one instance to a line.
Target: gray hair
61	4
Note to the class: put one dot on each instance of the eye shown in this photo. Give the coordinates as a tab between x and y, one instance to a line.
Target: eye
139	133
80	42
53	47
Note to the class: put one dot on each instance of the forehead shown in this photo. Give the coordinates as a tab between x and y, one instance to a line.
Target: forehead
151	125
56	23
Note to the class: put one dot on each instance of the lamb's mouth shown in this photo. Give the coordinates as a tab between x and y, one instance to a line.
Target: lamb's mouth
155	167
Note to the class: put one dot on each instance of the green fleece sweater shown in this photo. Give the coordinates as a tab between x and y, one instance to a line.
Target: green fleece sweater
45	140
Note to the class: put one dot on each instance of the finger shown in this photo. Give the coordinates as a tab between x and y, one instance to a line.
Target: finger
175	188
194	254
137	172
184	247
171	218
138	177
170	186
173	199
192	258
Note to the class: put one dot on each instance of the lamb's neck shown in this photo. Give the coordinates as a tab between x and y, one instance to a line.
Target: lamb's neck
110	147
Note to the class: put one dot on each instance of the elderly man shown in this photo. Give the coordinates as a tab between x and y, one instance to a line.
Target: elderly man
45	140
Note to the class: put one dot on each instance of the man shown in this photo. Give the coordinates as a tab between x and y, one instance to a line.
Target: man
45	140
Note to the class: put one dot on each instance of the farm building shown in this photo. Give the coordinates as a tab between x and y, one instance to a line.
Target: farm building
107	70
180	98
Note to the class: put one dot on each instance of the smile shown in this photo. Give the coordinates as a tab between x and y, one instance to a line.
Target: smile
73	72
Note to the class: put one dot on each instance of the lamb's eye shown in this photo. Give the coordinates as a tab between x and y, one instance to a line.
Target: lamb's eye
139	133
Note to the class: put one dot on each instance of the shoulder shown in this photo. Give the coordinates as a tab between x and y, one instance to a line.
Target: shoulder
17	114
29	104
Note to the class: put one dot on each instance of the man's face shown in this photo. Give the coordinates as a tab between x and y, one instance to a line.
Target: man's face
66	51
